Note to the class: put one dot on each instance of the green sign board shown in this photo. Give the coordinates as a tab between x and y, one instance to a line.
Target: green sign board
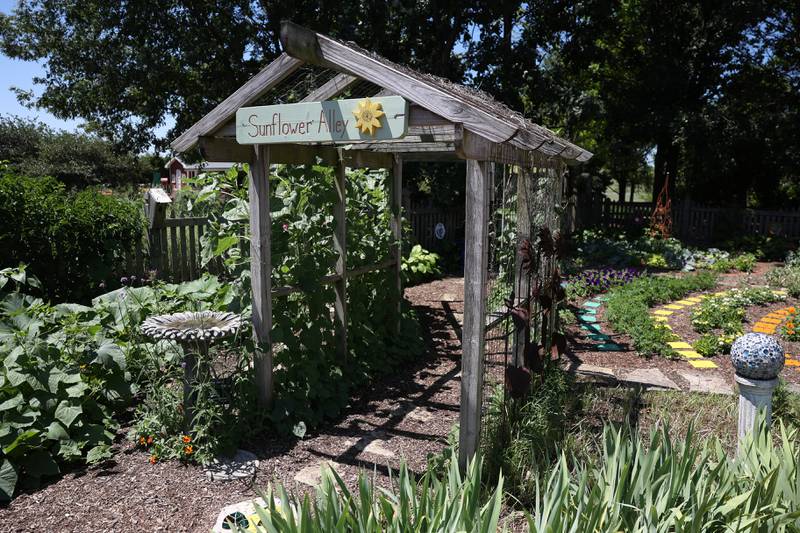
345	121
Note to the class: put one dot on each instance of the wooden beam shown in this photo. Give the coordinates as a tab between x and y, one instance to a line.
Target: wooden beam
318	49
258	85
331	88
419	116
396	224
475	271
333	278
340	246
522	278
261	272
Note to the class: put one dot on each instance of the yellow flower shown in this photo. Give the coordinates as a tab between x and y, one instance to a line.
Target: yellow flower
368	115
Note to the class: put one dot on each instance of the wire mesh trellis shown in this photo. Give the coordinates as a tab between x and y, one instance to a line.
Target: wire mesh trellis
526	218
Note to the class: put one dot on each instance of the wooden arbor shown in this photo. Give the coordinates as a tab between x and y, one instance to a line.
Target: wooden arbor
446	122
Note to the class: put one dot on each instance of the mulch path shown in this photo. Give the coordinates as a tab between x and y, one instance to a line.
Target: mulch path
582	350
129	494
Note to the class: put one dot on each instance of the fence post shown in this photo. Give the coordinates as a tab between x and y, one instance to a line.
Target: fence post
156	203
521	288
396	223
475	267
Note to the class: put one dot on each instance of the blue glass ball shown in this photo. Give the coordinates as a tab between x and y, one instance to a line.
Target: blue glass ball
757	356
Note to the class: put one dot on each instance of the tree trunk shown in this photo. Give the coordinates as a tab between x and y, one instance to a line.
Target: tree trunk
666	162
623	185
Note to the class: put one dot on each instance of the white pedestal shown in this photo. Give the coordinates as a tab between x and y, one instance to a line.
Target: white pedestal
754	394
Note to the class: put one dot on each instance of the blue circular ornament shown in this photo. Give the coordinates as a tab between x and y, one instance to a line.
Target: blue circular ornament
757	356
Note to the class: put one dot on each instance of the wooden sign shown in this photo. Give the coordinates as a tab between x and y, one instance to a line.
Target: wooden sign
340	121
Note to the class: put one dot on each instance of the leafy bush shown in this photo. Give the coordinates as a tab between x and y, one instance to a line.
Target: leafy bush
454	503
60	381
627	308
594	248
787	277
72	242
673	486
710	345
594	281
726	311
420	266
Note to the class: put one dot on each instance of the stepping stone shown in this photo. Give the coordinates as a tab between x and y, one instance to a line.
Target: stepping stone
377	447
420	414
704	382
242	465
769	320
680	345
447	297
592	304
781	312
610	347
600	371
589	311
602	298
685	303
689	354
694	299
599	337
247	508
660	318
769	331
312	474
673	306
662	312
702	363
594	328
650	377
792	362
587	318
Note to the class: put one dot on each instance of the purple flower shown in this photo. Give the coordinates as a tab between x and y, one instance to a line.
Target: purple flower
123	280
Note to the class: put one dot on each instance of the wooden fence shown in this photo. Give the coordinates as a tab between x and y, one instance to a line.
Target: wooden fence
423	216
696	223
175	248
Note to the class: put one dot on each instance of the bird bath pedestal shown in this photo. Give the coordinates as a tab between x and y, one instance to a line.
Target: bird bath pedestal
194	331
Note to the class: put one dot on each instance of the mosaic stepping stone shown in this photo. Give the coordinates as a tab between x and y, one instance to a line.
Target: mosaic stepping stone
594	328
689	354
702	363
599	337
680	345
592	304
610	347
673	306
587	318
662	312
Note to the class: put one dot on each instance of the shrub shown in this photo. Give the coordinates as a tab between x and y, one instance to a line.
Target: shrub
453	503
72	242
673	486
420	266
726	311
710	345
787	277
627	309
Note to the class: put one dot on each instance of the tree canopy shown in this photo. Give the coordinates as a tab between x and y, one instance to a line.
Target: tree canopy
706	91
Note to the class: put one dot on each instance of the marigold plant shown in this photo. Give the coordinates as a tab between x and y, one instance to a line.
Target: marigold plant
791	327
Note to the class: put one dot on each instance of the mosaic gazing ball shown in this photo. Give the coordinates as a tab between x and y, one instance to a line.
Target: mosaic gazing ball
757	356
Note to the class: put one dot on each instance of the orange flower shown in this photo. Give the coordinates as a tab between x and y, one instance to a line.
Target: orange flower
186	439
153	459
149	440
188	450
791	310
142	441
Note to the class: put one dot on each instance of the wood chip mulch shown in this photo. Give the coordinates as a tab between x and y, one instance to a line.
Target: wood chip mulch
129	494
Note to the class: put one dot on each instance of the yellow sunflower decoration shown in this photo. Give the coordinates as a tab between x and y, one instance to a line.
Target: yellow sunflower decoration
368	115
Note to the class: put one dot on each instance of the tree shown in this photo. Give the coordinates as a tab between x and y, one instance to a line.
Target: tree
124	67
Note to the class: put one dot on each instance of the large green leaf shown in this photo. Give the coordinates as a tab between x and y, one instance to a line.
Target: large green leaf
99	453
56	431
225	243
22	442
66	413
110	355
12	403
8	480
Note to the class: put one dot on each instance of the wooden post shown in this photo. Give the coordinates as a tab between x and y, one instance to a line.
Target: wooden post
261	272
475	266
340	245
396	200
156	203
522	279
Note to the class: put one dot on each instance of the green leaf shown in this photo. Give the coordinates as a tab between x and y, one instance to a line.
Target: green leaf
110	355
21	443
225	243
40	463
67	413
11	403
56	431
99	453
8	480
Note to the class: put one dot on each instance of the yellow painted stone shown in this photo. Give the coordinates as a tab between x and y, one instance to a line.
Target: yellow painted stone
689	354
673	306
680	345
764	329
660	318
769	320
702	363
686	303
694	299
792	362
662	312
